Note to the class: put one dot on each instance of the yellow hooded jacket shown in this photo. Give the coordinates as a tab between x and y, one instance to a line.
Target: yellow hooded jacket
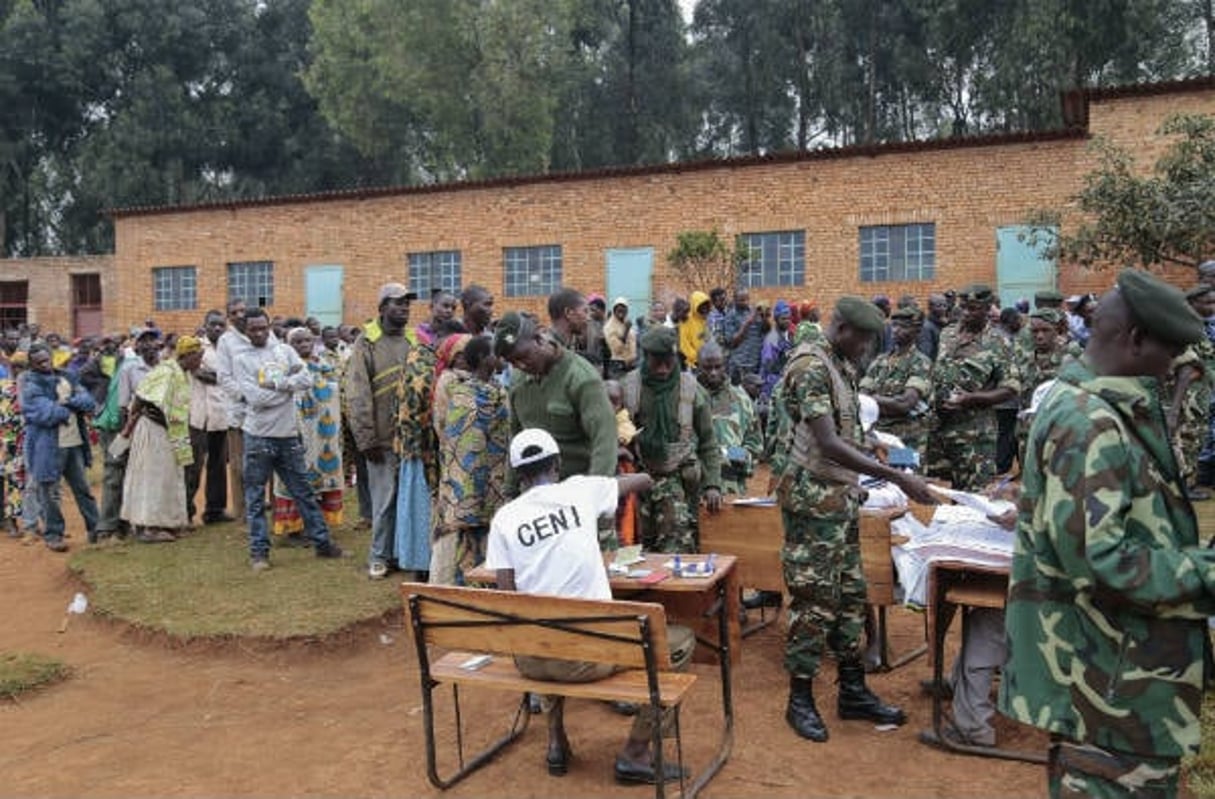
692	333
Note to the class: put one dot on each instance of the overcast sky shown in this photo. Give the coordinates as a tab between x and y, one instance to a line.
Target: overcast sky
686	6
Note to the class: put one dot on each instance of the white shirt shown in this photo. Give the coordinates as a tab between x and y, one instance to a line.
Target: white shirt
550	537
208	401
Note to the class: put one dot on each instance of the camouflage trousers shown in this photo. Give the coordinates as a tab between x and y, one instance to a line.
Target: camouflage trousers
964	452
667	516
822	567
1193	428
1077	771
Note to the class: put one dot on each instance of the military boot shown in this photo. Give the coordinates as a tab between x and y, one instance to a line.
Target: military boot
856	701
802	715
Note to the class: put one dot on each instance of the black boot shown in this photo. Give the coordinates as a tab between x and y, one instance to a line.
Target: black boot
802	715
858	702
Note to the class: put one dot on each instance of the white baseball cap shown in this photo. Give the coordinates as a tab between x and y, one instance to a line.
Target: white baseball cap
531	445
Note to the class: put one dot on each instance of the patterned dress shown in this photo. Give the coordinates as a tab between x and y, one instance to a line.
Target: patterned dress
12	449
419	471
473	447
319	412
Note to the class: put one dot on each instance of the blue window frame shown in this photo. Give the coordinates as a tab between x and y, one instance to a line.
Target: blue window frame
175	288
253	282
532	271
898	252
439	269
773	259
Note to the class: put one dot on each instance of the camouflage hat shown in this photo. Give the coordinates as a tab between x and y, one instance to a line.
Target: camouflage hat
860	313
1051	315
1202	289
512	328
660	340
977	291
1048	299
1161	309
909	315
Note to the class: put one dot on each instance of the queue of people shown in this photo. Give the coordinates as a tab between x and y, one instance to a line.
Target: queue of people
275	417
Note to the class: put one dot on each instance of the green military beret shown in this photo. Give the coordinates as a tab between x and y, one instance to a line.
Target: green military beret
512	328
1051	315
660	340
1201	290
909	315
860	313
1161	309
1048	299
977	291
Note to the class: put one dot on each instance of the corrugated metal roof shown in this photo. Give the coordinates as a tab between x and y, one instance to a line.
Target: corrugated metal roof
827	153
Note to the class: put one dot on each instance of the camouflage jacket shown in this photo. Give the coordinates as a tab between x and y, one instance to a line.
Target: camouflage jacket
803	395
1109	589
969	363
1034	369
735	424
891	374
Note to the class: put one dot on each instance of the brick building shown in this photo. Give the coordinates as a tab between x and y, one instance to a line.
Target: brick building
889	219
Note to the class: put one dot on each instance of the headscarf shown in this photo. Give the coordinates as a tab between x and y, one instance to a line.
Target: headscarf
187	345
448	350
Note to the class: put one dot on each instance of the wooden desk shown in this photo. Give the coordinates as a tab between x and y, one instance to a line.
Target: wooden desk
953	585
709	605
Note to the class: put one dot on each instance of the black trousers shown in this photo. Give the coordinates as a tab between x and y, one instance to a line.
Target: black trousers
210	452
1006	438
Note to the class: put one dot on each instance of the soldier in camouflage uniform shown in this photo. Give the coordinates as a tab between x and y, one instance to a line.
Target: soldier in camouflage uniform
817	462
678	447
1110	588
1039	362
1186	393
735	423
901	383
972	375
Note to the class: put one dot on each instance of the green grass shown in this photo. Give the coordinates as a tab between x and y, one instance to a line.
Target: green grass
202	587
1200	769
22	671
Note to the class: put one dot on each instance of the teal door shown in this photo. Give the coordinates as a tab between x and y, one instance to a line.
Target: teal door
628	275
1023	266
323	294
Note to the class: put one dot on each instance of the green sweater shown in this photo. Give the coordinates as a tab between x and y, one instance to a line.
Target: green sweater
571	403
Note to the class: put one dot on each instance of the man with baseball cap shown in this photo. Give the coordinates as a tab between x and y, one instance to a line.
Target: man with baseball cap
377	357
533	556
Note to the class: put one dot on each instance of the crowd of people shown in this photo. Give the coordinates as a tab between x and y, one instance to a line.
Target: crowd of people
277	417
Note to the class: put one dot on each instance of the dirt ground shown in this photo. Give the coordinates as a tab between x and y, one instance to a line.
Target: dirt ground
142	717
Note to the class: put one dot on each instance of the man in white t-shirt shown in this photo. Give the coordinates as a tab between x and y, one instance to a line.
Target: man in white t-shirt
546	542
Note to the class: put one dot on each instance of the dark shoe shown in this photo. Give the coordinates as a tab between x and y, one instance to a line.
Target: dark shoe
763	599
856	701
801	714
56	545
221	518
634	773
942	690
154	535
623	708
296	540
330	551
558	760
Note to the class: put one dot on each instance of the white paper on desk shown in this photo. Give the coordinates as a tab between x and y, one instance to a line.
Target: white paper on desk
627	556
988	507
690	568
754	502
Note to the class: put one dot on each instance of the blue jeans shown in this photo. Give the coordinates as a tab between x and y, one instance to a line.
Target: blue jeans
71	467
263	457
382	480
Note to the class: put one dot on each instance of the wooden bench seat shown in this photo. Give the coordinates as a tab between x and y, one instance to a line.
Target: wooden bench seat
626	686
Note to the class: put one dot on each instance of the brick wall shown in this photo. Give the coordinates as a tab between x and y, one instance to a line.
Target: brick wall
966	191
49	281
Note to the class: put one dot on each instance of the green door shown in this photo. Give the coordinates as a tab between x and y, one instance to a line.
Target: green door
1023	267
323	293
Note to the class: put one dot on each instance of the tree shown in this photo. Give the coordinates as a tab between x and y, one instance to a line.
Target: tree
702	258
1161	218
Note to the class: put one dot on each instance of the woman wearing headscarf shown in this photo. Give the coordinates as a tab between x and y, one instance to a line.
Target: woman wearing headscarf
777	344
154	488
621	337
318	409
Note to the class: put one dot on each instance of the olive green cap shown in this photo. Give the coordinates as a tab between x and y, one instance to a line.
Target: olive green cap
1160	308
909	315
1048	299
512	328
1052	315
860	313
660	340
977	291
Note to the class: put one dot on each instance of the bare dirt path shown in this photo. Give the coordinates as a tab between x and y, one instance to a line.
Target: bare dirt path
142	718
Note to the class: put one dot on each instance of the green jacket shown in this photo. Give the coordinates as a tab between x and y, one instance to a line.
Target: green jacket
370	385
735	424
1110	589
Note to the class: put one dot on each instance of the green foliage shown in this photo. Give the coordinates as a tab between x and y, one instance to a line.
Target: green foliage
1133	219
703	260
21	672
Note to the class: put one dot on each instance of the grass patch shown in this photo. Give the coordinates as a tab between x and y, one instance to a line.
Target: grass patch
21	672
1200	769
201	586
